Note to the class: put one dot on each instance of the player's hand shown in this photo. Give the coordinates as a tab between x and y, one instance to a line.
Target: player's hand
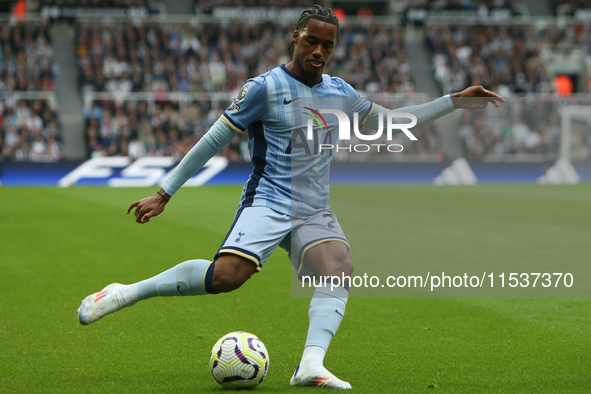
475	97
149	207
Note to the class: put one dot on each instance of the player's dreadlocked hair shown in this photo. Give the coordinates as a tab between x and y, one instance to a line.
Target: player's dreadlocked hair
320	13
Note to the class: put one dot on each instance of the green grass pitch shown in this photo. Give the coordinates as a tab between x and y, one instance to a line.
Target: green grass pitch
59	245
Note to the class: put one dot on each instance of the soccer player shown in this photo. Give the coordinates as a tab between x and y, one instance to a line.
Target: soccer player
267	106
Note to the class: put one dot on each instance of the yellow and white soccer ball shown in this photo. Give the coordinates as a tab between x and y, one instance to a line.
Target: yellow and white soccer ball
239	360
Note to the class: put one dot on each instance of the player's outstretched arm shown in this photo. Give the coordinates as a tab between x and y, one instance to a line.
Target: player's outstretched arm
218	136
475	97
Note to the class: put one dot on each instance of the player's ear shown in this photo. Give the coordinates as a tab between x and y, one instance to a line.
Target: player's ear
296	35
294	39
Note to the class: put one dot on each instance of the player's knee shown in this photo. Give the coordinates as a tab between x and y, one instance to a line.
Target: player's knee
337	267
342	265
330	258
230	272
338	264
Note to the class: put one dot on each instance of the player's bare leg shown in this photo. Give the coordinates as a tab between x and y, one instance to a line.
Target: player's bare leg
326	311
193	277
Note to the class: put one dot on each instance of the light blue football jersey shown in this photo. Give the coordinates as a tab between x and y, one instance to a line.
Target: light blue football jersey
289	173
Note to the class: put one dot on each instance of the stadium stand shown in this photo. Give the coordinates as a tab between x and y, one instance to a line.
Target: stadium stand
210	58
168	127
502	58
26	58
568	7
28	119
372	59
71	10
95	3
509	60
458	4
148	83
418	12
206	6
524	127
140	128
128	57
31	130
161	57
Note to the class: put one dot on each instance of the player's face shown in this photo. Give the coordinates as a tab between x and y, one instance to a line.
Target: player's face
314	46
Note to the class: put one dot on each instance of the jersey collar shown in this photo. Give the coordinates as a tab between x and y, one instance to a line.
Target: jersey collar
300	79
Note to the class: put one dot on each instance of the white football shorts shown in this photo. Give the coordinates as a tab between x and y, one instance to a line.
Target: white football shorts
258	231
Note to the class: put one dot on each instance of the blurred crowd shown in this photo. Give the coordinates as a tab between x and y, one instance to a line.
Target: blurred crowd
372	59
95	3
206	6
502	58
505	59
455	5
567	7
523	127
29	128
566	38
26	58
138	128
124	57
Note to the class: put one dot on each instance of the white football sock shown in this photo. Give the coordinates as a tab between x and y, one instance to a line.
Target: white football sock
326	312
130	293
192	277
313	357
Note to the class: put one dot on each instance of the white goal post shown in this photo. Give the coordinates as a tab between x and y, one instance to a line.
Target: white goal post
563	171
568	114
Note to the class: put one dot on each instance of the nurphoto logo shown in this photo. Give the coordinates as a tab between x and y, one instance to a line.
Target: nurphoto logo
345	131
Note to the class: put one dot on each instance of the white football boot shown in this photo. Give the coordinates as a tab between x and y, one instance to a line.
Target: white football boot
98	305
318	377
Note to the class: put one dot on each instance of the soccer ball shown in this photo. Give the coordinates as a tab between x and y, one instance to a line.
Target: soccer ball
239	360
